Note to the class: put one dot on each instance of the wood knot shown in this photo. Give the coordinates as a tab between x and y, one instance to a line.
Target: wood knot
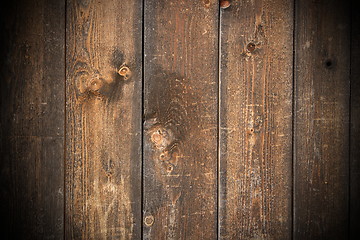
125	72
95	84
207	3
224	4
165	156
161	138
149	220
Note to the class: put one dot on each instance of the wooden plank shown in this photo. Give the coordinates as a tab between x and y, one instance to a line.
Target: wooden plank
32	119
355	125
322	120
256	120
103	119
180	128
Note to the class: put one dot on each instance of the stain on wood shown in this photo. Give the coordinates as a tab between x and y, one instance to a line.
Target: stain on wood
32	119
256	120
321	170
180	127
103	120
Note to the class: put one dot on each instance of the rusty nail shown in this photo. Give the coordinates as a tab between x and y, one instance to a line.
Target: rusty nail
224	4
149	220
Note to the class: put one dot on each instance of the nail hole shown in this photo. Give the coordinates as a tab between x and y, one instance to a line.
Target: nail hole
170	168
328	63
251	47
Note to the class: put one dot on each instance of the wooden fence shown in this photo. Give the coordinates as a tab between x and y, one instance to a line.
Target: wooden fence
180	119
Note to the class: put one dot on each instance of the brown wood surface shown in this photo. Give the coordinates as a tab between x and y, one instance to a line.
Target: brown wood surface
179	119
103	119
355	124
256	120
180	128
322	120
32	119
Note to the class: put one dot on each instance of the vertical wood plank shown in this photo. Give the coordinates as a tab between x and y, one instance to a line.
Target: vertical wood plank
256	120
32	119
355	125
321	119
103	119
180	128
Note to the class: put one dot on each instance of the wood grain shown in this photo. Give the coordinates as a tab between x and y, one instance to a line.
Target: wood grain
103	119
355	125
32	119
322	120
180	128
256	120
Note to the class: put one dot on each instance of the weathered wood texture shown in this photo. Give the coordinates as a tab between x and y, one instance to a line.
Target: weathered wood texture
103	119
322	61
213	127
355	125
256	120
32	119
180	128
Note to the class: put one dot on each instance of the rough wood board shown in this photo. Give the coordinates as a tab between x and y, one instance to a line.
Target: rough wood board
355	125
256	120
322	120
32	119
103	120
180	128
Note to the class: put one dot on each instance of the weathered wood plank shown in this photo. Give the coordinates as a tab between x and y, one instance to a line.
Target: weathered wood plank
355	125
103	119
32	119
256	120
322	120
180	128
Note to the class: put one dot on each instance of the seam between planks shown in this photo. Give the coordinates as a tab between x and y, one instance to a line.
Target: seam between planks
142	114
350	120
293	159
219	126
65	118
